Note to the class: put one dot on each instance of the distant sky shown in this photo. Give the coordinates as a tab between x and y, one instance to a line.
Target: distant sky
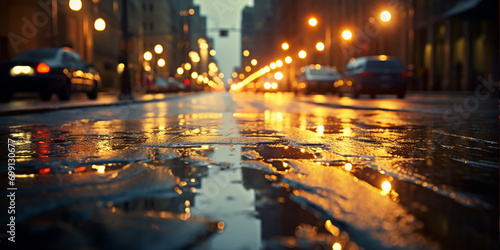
225	14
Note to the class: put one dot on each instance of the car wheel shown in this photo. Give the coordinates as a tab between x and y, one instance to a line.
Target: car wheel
64	93
401	95
6	96
92	95
373	96
45	95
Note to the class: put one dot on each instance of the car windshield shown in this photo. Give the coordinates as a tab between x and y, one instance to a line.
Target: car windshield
323	72
390	64
36	54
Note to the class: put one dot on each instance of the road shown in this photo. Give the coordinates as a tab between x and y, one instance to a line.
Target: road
252	171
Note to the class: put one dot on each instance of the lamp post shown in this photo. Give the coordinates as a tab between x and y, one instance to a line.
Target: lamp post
126	90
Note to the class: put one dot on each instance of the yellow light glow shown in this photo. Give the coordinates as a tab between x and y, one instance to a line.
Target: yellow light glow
288	60
385	16
246	53
212	52
120	68
161	62
221	75
278	76
147	68
347	35
148	56
204	46
382	57
253	62
75	5
180	71
313	21
191	12
320	46
158	49
337	246
302	54
348	166
233	87
267	69
205	80
274	85
234	75
242	76
386	186
194	75
267	85
248	68
279	63
187	66
273	65
320	129
285	46
99	24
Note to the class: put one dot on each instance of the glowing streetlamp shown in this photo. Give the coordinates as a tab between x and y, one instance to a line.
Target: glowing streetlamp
187	66
385	16
313	21
158	49
148	56
347	35
302	54
194	75
288	60
180	71
161	62
285	46
99	24
75	5
253	62
320	46
279	63
246	53
212	52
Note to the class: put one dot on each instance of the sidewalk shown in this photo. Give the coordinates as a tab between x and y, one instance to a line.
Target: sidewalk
34	105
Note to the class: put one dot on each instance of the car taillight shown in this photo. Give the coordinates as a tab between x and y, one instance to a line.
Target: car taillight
42	68
403	74
366	74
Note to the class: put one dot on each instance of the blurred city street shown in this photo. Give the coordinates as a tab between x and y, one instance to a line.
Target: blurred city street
249	124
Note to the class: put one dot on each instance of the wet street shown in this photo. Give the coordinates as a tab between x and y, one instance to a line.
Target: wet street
257	171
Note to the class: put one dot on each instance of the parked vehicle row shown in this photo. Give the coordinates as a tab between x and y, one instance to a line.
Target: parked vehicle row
372	75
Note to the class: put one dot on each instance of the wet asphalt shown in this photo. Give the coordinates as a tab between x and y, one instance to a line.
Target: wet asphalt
258	171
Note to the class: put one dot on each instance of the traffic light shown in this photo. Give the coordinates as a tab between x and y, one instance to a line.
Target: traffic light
223	33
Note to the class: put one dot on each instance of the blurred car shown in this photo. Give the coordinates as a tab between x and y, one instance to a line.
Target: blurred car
316	78
374	75
48	71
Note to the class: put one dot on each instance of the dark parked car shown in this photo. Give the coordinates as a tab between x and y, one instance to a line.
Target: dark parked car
316	78
48	71
374	75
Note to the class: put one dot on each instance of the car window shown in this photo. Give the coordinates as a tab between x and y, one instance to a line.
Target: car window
77	60
36	54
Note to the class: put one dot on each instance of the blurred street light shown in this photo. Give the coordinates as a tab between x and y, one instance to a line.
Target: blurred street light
385	16
246	53
161	62
302	54
148	56
75	5
313	21
279	63
187	66
194	75
158	49
253	62
99	24
285	46
221	75
288	60
278	76
273	65
248	68
180	71
347	35
320	46
212	52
